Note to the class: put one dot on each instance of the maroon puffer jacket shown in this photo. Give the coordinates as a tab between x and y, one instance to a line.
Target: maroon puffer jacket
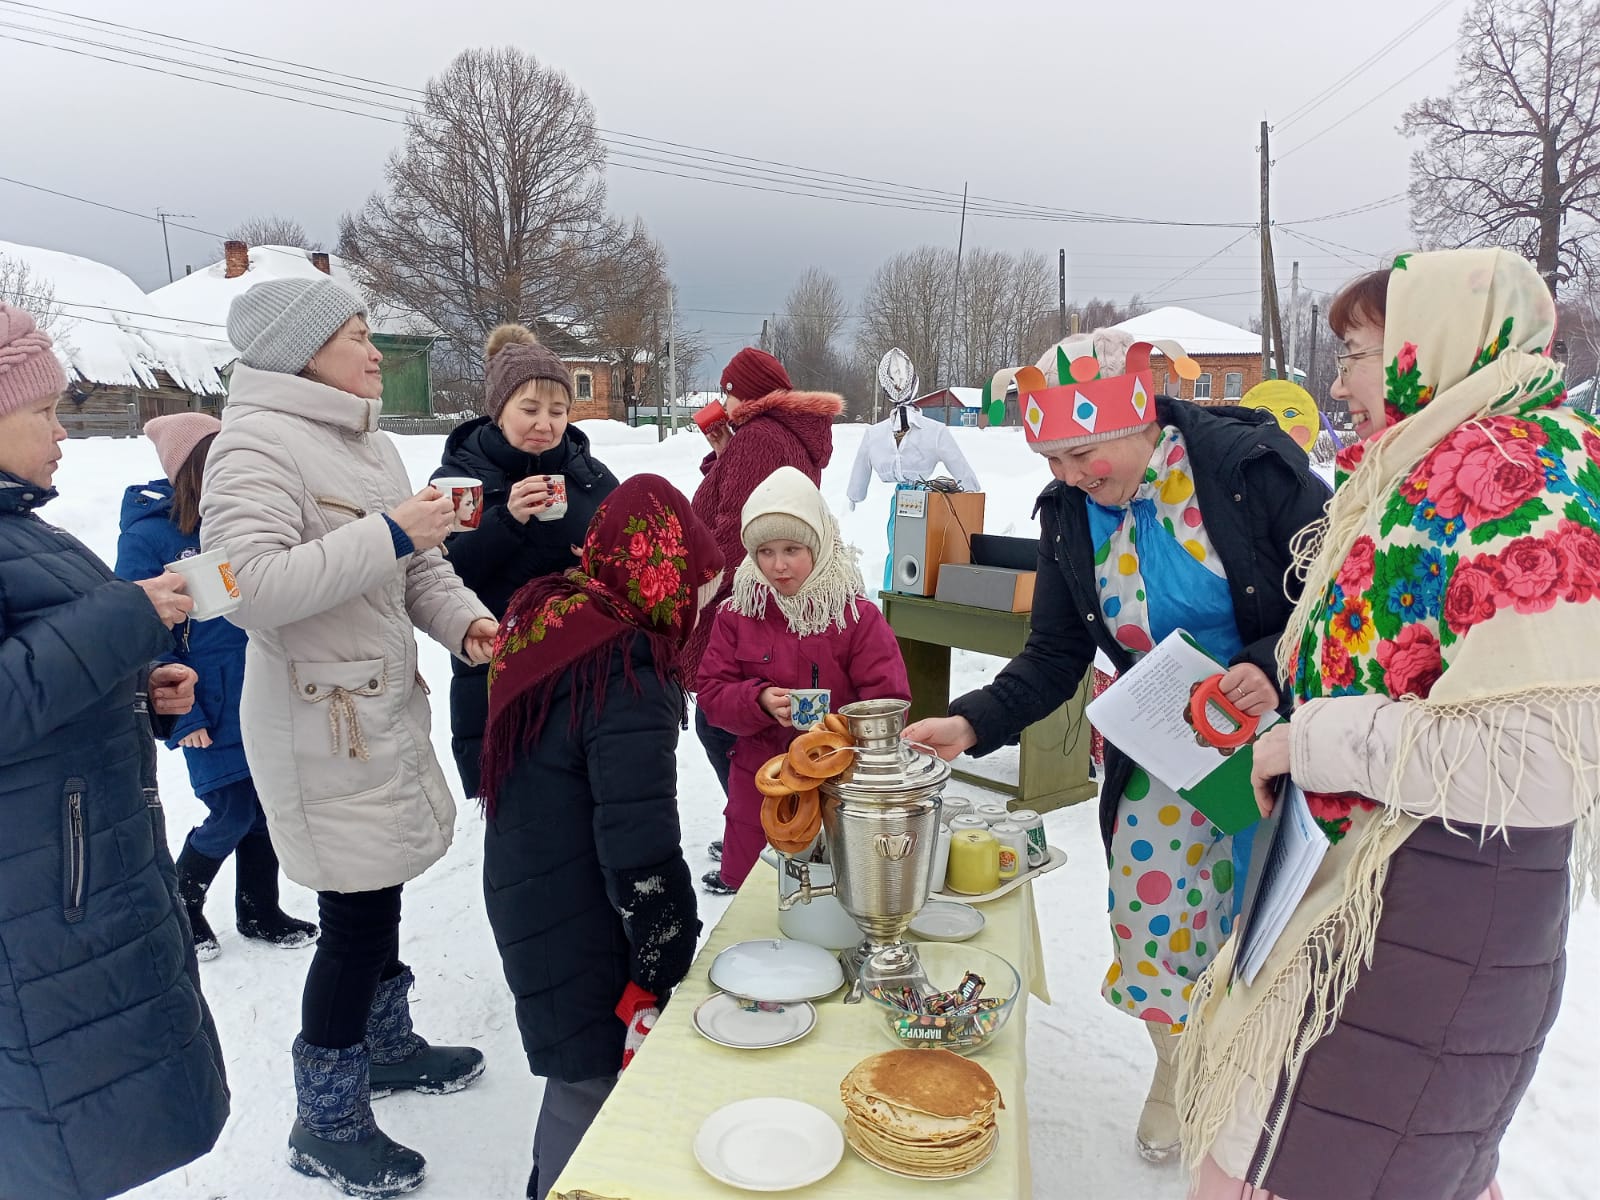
781	429
1407	1098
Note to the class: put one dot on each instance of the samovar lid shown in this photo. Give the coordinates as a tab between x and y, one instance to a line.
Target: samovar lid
886	768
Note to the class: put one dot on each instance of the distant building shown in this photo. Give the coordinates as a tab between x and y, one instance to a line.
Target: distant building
199	303
1229	357
952	405
125	362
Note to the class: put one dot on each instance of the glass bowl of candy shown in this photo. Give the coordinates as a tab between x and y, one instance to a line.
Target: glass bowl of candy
966	1001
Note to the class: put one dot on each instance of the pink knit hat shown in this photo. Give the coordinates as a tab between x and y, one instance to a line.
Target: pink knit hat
29	369
176	435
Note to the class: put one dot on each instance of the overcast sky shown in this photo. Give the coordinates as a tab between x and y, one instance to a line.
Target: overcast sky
1143	110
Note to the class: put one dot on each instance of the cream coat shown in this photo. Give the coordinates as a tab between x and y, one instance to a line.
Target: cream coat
335	716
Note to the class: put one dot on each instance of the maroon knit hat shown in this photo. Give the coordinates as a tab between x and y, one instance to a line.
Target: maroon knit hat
515	358
753	374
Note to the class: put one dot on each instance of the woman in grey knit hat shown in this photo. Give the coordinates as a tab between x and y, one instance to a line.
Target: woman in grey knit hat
336	561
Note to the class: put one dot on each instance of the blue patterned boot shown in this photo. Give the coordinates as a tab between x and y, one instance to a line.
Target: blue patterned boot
404	1062
334	1136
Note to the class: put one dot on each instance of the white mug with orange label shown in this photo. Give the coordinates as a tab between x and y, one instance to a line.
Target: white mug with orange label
209	582
558	500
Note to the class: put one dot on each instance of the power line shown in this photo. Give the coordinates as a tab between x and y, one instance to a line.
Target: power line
1182	275
1406	78
1370	206
1350	76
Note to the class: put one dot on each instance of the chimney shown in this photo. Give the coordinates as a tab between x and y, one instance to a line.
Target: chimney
236	259
319	260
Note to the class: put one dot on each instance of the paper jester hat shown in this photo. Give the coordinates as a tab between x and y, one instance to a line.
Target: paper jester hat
1081	404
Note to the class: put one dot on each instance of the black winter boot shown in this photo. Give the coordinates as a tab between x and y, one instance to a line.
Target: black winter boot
713	882
402	1061
255	905
195	873
334	1135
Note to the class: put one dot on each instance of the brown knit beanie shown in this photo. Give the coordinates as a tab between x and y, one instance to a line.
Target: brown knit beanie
515	358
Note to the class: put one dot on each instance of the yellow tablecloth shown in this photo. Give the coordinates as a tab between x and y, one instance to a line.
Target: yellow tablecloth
642	1145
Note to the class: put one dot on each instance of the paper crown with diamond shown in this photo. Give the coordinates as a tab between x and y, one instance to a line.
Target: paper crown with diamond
1082	405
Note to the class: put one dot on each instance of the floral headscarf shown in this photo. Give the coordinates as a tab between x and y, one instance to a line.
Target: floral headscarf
648	566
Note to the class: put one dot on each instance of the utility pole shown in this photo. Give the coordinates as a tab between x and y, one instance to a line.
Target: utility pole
1271	326
1311	365
1294	308
955	292
1062	328
162	215
672	366
655	369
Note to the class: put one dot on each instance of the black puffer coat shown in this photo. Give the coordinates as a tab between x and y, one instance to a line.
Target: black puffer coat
110	1069
583	869
501	555
1255	489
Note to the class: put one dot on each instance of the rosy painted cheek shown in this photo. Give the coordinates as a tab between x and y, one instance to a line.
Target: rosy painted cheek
1100	467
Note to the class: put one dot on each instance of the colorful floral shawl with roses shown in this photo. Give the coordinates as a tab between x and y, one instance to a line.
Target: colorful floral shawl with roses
1459	569
647	567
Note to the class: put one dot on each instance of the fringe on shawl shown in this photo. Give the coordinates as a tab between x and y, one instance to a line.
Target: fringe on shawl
1302	1000
822	602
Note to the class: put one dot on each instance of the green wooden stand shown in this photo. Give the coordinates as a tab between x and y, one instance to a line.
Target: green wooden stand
1053	762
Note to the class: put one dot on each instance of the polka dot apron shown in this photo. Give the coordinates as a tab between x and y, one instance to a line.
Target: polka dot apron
1174	883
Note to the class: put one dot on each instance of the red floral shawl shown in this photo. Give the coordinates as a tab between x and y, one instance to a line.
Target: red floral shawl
645	560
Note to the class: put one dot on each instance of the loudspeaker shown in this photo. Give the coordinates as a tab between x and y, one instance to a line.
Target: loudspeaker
931	529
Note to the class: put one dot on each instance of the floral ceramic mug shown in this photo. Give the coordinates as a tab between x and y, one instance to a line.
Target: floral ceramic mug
807	706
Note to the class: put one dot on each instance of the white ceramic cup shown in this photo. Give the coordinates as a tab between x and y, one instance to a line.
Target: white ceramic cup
208	580
558	493
941	860
466	498
807	706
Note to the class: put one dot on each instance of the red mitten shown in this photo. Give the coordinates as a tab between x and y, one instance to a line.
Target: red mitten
638	1010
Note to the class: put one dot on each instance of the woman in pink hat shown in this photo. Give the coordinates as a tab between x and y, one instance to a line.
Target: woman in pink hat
161	524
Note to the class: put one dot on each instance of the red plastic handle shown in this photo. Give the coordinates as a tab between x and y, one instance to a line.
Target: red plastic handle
1211	692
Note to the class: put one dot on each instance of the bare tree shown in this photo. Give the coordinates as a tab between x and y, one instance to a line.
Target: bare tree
806	337
271	230
907	304
21	288
1511	157
494	208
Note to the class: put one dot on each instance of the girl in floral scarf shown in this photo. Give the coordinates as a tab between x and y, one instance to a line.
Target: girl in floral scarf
587	890
1447	678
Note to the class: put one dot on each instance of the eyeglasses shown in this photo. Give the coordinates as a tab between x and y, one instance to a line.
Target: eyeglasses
1349	356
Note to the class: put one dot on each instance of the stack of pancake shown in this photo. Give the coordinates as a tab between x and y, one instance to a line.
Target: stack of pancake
928	1113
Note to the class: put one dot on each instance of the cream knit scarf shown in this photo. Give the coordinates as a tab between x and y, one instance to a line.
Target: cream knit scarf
1459	570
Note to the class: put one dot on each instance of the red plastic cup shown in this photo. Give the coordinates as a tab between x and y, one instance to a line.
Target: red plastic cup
710	416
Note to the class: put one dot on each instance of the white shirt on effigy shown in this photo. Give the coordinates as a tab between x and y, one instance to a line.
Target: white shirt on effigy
915	457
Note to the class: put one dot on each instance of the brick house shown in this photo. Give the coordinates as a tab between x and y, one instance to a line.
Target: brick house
1229	357
597	377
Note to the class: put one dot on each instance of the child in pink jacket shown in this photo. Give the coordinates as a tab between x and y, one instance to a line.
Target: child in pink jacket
798	618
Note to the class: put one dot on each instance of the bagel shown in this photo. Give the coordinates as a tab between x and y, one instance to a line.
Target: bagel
834	723
792	821
768	781
791	779
820	754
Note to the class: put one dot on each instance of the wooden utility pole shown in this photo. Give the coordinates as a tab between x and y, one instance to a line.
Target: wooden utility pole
655	369
1271	323
162	215
672	366
1063	326
1294	308
955	292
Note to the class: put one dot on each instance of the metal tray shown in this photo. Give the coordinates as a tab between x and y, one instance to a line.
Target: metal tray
1058	856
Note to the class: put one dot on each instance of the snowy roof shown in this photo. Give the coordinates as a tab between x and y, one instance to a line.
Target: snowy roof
1195	332
967	397
202	297
108	331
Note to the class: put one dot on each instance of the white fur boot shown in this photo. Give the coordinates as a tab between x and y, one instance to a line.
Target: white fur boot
1157	1136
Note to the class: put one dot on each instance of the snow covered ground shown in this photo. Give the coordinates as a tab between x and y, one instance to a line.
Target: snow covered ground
1090	1064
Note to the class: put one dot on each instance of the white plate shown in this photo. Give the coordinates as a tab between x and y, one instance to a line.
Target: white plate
978	1166
947	921
1057	857
777	970
726	1020
768	1144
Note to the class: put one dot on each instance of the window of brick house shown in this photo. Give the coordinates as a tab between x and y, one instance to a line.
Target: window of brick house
1202	386
583	383
1233	385
1174	386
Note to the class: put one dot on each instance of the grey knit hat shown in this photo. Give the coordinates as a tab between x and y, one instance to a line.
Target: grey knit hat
779	527
278	324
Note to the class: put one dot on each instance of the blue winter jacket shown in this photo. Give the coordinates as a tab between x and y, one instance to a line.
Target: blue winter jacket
214	648
110	1069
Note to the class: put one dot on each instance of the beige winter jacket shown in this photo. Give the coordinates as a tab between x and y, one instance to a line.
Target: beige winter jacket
335	716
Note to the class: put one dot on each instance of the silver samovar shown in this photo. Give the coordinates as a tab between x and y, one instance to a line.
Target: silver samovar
880	821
